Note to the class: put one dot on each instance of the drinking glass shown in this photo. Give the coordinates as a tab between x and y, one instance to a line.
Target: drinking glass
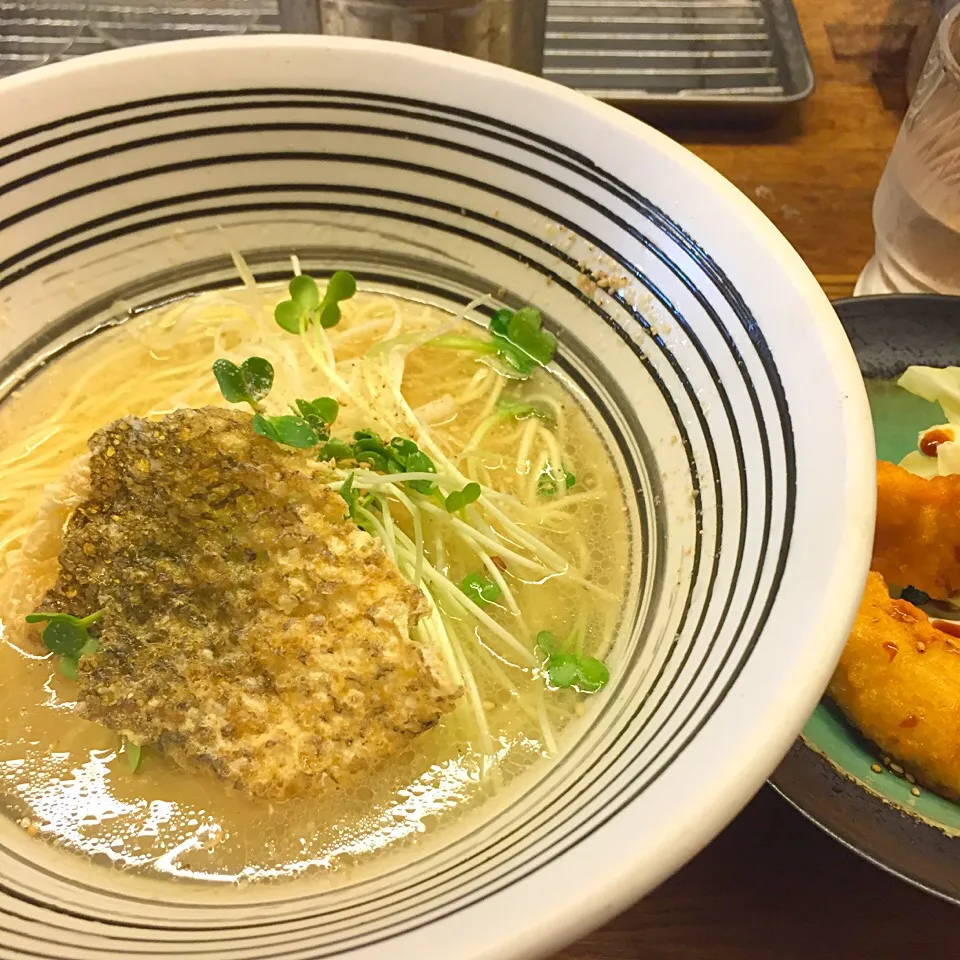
916	211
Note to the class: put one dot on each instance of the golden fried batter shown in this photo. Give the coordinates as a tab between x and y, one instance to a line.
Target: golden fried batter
898	682
248	628
917	541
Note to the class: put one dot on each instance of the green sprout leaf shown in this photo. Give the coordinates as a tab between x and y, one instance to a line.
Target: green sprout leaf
258	376
298	310
499	323
480	589
403	449
368	448
413	460
593	674
248	383
459	499
563	670
230	381
263	427
521	340
398	456
66	634
327	409
288	314
304	292
548	643
133	753
64	638
335	450
375	461
569	670
547	485
349	496
342	286
525	330
517	338
291	431
305	306
70	667
419	462
368	440
319	413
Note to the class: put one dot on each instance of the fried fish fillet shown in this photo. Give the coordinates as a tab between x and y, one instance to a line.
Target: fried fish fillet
249	629
917	541
898	682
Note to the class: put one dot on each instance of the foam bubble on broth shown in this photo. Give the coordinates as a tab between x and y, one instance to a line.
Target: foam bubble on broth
61	777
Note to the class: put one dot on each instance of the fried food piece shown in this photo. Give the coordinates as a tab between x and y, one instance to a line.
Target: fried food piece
898	682
249	629
917	541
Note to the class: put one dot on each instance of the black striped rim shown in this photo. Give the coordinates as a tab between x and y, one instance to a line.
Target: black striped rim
614	752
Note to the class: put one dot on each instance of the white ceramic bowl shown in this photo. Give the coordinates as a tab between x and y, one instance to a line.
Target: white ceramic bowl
717	370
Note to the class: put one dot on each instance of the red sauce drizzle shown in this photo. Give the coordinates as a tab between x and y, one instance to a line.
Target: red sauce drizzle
932	439
891	649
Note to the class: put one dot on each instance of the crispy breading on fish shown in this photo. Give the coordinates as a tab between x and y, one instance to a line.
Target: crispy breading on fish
898	682
917	540
249	629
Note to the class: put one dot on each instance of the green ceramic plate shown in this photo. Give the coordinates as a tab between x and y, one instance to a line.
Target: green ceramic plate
828	774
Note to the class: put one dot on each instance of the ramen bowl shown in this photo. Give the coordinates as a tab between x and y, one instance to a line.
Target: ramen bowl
691	335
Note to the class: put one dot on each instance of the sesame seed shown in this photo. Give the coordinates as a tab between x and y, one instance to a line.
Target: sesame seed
921	646
897	769
876	768
886	761
911	778
916	791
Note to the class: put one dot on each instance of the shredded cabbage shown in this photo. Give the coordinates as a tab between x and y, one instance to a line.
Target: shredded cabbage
942	386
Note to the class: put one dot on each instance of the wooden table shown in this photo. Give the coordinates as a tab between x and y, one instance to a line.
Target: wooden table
773	886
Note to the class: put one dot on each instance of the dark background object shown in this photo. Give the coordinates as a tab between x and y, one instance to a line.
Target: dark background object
748	55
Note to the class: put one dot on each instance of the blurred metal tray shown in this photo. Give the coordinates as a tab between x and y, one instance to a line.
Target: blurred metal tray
734	52
33	32
713	52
